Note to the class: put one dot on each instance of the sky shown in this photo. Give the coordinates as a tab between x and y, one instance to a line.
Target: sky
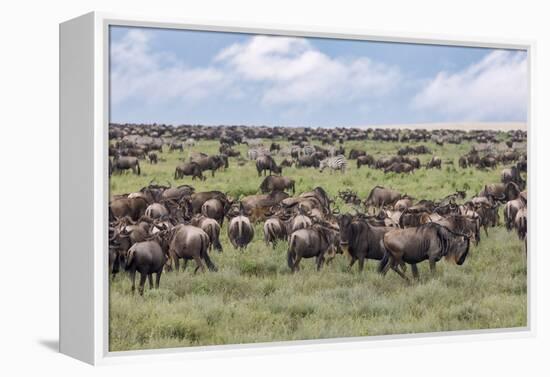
213	78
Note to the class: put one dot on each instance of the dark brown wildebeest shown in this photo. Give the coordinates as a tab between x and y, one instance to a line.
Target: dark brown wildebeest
199	198
176	145
189	169
365	160
189	242
132	207
430	242
277	183
156	211
147	258
435	162
211	227
215	208
361	240
403	203
520	223
463	162
399	167
355	153
177	193
274	230
512	175
240	231
318	241
121	163
463	225
502	192
211	163
287	163
308	161
258	206
380	196
511	208
264	163
153	158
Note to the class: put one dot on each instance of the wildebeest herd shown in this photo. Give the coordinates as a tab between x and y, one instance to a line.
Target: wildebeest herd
154	227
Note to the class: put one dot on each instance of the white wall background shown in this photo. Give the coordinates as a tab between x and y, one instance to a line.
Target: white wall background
29	147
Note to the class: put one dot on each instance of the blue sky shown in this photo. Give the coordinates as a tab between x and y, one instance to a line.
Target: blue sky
193	77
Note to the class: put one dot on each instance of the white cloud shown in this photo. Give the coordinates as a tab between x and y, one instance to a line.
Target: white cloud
150	76
292	71
494	88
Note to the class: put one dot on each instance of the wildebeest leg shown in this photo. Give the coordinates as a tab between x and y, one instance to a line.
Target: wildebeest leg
485	228
297	263
432	266
184	265
150	276
199	263
176	263
320	260
142	283
157	282
414	270
396	269
353	259
361	263
133	278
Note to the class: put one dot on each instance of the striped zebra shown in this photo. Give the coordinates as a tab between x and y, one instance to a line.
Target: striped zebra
254	153
308	150
334	163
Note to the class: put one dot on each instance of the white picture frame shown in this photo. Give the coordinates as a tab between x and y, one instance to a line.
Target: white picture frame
84	105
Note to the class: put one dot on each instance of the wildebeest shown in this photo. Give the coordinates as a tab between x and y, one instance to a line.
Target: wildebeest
277	183
153	158
317	241
501	191
399	167
189	242
274	230
435	162
430	242
132	207
121	163
215	208
511	208
211	163
365	160
240	231
211	227
264	163
361	240
190	169
355	153
379	196
147	258
512	175
156	211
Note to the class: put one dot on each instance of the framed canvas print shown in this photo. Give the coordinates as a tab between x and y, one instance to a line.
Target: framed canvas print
236	189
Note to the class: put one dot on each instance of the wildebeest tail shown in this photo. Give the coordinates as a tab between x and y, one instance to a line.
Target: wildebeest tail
291	255
215	239
130	259
205	256
138	168
383	262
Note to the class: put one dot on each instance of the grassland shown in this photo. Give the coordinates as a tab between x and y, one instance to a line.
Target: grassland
254	298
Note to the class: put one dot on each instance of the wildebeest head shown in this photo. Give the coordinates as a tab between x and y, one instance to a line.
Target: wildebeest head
456	245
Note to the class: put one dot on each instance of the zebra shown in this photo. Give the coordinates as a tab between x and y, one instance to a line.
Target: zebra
254	153
334	163
308	150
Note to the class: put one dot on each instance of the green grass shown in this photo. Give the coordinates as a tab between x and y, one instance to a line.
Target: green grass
254	298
